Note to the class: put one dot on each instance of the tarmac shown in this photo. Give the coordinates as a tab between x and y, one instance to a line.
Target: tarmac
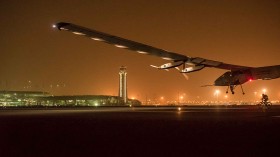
140	131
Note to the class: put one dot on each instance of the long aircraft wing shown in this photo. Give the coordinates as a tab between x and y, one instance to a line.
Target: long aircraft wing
143	48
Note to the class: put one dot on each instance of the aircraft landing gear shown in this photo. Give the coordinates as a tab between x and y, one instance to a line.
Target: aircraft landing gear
233	83
242	89
232	87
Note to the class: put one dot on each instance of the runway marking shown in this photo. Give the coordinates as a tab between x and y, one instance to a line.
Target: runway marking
175	109
275	116
124	110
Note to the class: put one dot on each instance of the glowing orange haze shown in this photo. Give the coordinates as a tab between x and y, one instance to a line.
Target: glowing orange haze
239	32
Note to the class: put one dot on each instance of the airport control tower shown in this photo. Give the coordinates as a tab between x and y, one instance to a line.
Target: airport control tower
123	84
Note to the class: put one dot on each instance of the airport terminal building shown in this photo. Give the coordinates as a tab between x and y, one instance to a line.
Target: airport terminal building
38	98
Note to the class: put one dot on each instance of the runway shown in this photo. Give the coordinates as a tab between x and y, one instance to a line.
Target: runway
140	131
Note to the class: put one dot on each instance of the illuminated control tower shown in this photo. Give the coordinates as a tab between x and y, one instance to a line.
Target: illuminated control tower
123	84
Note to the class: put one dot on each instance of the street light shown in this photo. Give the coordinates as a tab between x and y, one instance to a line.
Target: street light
217	92
162	98
181	99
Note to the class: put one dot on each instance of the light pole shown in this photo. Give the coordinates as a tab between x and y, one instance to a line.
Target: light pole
255	93
181	99
217	92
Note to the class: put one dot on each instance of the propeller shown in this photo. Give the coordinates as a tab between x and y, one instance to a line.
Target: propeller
184	74
158	67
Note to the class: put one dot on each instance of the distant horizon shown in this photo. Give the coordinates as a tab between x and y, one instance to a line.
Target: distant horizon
165	102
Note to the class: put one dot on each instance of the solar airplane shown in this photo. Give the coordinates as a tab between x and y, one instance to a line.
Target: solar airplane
234	76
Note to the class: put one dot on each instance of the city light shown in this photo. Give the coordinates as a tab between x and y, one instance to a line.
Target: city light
216	93
264	91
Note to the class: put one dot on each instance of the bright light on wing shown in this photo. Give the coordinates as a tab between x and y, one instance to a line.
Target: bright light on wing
64	29
166	58
97	39
142	52
121	46
78	33
114	40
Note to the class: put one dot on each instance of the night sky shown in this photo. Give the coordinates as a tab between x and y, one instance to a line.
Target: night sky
242	32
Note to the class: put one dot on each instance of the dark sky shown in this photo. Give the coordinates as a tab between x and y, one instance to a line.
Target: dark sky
242	32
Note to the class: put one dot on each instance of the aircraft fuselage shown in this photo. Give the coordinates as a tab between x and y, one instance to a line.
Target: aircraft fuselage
244	75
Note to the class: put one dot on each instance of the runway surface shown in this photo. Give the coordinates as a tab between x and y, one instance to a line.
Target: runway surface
140	131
